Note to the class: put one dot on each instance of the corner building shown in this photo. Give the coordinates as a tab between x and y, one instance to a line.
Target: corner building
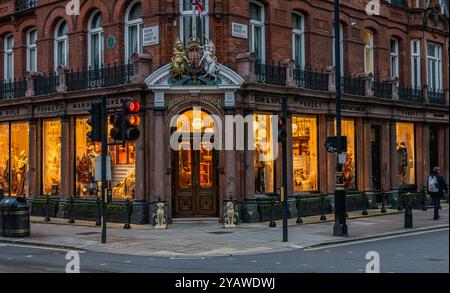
54	66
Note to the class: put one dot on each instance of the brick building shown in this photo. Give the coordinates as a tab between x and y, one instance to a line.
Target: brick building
53	66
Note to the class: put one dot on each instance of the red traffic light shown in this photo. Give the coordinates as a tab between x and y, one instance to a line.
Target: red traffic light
281	121
133	106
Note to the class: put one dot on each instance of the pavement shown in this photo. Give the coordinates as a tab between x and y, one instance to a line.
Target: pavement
207	238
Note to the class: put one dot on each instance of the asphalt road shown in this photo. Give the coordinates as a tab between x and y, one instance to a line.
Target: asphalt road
425	252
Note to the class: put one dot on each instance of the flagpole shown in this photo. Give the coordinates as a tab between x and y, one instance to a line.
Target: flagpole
194	19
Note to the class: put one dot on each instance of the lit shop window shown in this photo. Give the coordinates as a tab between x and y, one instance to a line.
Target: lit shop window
4	157
304	150
51	168
14	149
264	154
349	169
405	153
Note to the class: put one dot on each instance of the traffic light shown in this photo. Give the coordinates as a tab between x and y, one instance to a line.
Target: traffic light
282	133
131	120
331	144
95	122
116	131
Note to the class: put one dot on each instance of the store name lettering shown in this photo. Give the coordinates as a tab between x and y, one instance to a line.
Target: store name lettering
87	105
10	112
353	108
409	113
310	104
213	100
46	109
267	100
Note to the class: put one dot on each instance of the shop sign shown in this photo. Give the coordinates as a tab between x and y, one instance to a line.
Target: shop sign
151	35
239	30
13	112
45	109
310	104
86	105
353	108
216	101
267	100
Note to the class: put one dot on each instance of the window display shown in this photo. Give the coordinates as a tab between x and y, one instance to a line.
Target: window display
51	157
349	169
304	152
264	154
405	153
14	149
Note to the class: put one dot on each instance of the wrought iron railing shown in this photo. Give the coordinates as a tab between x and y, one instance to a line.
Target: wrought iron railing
25	4
309	79
99	77
353	85
46	84
13	89
436	97
382	89
410	94
270	74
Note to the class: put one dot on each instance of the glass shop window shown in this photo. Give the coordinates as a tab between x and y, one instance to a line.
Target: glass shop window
304	151
14	148
51	168
264	154
349	168
405	153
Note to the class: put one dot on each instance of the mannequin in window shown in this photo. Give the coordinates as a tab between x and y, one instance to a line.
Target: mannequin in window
20	173
261	179
402	162
349	172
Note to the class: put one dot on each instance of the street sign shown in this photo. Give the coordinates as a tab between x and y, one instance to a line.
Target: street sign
98	168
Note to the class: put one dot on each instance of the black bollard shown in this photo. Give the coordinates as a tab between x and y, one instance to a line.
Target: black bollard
364	212
408	211
399	201
424	199
323	217
71	211
47	209
99	215
383	203
129	206
299	210
272	223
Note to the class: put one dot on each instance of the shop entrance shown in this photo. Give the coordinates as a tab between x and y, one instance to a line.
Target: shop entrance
195	163
376	156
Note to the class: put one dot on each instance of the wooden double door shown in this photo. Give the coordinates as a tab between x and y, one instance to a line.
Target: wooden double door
195	188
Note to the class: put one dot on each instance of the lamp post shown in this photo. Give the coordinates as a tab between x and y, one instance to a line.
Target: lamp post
340	225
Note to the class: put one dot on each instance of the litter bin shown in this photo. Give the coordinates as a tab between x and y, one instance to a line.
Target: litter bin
15	217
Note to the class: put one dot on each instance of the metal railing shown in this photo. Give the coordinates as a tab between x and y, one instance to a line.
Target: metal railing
46	84
353	85
436	97
309	79
25	4
270	74
13	89
410	94
382	89
99	77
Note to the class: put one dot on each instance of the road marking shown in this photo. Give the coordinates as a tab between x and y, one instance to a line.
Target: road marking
42	247
399	254
374	239
29	256
332	267
9	258
127	261
103	264
253	260
186	257
277	262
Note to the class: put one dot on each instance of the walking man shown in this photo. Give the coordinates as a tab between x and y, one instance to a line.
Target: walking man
436	188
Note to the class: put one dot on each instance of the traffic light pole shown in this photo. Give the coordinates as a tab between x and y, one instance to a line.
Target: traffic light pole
340	225
103	163
284	173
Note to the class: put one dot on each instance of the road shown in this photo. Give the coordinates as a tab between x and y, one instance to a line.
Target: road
425	252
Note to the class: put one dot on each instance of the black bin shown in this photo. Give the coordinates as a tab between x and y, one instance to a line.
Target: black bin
15	217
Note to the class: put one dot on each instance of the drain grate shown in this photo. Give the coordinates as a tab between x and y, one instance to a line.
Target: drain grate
220	232
88	233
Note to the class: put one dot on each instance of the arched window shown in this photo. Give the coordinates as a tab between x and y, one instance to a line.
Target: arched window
341	47
368	52
31	50
257	31
298	39
9	57
133	30
61	44
394	58
202	25
95	40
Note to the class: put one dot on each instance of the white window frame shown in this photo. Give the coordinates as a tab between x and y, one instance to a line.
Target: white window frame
394	56
341	44
9	52
187	13
369	47
99	32
301	34
261	24
31	47
416	56
438	68
61	39
130	23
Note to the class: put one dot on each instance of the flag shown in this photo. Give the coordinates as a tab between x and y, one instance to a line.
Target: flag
200	5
